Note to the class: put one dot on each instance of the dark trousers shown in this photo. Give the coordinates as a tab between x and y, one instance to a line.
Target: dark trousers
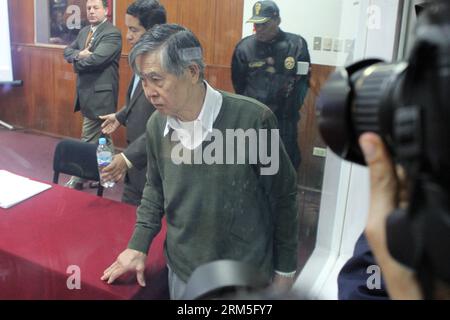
131	194
289	136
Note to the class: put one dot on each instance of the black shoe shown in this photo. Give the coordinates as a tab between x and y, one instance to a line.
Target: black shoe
94	184
73	184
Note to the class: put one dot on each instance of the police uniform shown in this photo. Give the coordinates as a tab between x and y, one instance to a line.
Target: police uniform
267	71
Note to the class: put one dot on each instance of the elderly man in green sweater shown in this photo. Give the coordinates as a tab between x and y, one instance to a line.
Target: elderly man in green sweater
216	169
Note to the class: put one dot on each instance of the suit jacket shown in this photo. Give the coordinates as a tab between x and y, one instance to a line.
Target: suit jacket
134	116
98	76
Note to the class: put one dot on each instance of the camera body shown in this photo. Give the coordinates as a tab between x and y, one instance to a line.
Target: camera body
406	104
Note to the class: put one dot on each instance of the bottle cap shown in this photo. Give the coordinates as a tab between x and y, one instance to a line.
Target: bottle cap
102	141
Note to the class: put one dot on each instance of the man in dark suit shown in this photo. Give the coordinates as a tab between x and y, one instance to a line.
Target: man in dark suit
95	56
141	16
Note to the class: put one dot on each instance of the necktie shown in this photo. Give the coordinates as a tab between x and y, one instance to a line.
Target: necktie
89	37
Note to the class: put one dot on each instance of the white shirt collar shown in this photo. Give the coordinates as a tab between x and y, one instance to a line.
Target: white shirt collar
135	84
94	28
210	111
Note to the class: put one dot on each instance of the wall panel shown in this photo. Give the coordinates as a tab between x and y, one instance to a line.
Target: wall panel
219	77
41	85
121	9
172	10
45	102
311	169
227	33
21	13
199	17
64	95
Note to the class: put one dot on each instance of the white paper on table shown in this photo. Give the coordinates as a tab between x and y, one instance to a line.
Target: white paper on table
15	189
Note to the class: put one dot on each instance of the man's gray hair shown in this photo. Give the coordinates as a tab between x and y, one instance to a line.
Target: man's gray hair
179	48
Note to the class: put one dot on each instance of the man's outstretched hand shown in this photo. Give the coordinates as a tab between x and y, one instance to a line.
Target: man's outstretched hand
128	261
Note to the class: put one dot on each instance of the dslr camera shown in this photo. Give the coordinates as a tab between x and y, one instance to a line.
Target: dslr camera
407	105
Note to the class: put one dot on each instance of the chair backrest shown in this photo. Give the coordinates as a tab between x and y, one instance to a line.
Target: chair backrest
220	278
76	158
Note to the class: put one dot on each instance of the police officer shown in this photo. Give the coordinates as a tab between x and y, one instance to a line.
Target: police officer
265	67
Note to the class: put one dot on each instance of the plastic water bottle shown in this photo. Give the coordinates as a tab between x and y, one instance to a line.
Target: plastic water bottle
104	158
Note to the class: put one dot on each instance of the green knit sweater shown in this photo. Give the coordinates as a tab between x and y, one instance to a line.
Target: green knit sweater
219	211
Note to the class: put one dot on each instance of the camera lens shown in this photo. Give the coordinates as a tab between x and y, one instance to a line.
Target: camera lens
359	99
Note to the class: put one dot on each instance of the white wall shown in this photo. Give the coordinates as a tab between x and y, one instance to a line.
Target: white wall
343	26
330	27
383	22
5	47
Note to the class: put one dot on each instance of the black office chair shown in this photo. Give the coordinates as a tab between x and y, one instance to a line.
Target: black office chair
77	158
225	279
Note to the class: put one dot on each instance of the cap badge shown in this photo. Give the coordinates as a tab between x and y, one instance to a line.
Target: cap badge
257	8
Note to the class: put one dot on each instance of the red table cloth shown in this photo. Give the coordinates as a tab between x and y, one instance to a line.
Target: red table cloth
46	240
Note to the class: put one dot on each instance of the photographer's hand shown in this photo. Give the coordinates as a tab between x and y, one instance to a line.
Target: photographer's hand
385	196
